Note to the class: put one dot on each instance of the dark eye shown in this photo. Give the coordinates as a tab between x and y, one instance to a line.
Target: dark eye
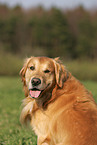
32	67
47	71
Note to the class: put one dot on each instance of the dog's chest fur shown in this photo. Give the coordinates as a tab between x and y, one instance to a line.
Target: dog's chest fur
39	122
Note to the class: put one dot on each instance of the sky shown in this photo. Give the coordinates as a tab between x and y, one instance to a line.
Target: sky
50	3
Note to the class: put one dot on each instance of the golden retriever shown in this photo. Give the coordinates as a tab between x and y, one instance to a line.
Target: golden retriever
59	108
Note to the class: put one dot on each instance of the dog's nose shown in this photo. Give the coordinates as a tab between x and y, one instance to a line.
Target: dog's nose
35	81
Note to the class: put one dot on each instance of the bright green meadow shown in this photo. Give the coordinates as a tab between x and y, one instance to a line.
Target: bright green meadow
11	96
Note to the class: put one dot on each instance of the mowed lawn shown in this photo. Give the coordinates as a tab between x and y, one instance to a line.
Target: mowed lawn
11	96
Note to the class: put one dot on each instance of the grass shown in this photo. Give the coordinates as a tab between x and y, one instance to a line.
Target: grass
11	95
11	131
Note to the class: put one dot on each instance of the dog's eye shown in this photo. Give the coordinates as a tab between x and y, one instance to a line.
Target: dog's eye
47	71
32	67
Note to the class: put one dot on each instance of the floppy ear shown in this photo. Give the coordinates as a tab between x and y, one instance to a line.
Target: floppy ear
60	72
22	74
23	70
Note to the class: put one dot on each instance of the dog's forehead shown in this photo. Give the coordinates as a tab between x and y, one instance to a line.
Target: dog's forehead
42	62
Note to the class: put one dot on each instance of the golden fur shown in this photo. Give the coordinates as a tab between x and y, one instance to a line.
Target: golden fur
65	113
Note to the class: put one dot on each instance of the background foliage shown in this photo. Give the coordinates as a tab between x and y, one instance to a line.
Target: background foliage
68	33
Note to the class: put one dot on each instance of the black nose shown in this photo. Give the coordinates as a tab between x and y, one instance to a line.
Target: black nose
35	81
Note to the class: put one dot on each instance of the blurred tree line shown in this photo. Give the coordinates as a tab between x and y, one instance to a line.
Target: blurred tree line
71	34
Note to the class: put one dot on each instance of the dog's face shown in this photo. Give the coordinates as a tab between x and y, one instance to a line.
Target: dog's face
40	74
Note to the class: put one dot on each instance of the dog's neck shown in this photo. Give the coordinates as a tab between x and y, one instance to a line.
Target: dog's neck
48	97
42	102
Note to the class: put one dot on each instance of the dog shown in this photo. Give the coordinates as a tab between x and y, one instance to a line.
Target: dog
60	110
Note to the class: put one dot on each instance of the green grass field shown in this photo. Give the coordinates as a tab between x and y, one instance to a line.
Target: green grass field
11	131
11	95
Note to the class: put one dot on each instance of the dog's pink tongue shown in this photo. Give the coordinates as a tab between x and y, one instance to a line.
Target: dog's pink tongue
35	94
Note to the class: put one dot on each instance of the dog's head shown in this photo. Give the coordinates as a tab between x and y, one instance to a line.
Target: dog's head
41	74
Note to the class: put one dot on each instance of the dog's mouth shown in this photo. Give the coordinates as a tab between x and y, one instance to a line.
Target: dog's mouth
35	93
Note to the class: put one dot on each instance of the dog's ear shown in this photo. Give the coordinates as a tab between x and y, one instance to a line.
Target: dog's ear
22	74
61	73
23	70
